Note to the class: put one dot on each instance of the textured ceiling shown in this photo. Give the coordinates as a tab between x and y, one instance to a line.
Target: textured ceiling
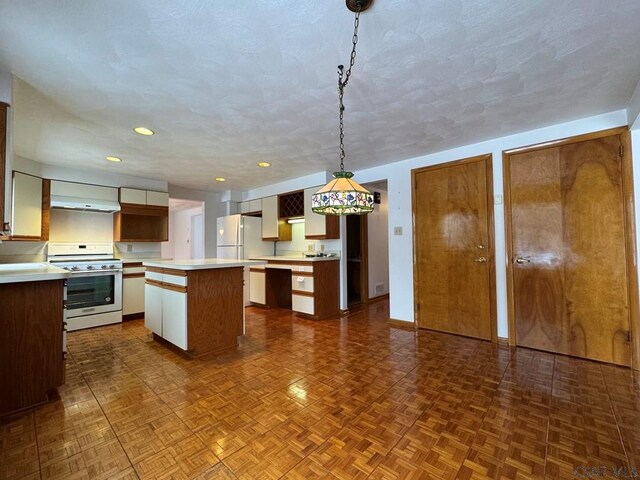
228	83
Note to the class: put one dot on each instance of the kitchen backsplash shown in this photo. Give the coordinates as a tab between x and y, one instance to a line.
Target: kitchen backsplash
77	226
298	245
128	251
22	252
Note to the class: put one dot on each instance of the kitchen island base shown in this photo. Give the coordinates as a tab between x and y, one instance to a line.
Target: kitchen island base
196	306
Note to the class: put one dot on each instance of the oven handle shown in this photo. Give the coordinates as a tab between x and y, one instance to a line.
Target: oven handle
95	273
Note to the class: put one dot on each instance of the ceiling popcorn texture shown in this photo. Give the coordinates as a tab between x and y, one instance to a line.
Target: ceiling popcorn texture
229	83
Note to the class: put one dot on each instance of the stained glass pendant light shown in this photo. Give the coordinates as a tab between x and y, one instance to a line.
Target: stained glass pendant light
342	195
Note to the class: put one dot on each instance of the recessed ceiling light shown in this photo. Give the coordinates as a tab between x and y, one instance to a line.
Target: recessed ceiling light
221	179
113	159
264	164
143	131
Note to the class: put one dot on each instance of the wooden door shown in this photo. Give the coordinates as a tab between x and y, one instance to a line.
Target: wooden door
568	278
453	241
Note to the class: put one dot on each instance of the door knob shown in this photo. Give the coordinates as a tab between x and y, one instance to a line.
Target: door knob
521	261
480	260
481	246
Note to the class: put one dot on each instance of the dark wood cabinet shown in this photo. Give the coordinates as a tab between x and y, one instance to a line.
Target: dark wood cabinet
4	178
31	350
141	224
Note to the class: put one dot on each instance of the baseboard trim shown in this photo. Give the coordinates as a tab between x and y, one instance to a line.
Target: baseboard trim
132	316
401	324
379	298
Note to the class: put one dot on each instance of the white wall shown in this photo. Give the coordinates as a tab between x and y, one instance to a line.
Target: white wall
298	244
179	244
378	258
399	183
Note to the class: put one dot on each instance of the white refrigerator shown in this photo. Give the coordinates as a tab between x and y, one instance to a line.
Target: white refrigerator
240	237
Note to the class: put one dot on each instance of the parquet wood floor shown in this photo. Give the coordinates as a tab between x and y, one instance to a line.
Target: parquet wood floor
352	398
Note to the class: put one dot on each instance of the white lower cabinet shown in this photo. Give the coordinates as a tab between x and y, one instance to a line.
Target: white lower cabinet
174	318
257	292
302	304
133	295
153	308
166	308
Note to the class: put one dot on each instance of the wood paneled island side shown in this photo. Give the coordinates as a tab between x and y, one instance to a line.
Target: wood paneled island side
196	305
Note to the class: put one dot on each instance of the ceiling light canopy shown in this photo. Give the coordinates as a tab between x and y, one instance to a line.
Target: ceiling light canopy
143	131
264	164
344	196
221	179
111	158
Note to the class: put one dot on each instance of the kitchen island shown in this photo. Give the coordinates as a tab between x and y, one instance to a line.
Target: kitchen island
196	305
32	333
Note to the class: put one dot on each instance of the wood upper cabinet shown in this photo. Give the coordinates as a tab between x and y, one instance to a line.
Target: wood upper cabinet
143	216
26	219
273	227
318	227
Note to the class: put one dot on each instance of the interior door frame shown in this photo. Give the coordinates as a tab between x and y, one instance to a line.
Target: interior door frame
490	251
364	259
629	223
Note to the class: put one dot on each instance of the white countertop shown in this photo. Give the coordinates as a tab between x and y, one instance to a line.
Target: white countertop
203	264
30	272
284	258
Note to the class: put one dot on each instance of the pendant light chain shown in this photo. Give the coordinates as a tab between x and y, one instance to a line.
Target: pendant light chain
343	79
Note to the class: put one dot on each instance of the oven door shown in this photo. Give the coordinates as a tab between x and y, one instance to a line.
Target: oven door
89	293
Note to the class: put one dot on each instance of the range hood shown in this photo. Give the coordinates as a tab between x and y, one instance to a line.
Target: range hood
84	204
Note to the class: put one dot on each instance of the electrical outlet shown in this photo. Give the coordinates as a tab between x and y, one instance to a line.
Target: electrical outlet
322	247
498	199
129	247
310	247
397	230
379	287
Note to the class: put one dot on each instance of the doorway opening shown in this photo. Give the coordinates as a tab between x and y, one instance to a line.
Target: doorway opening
367	251
186	230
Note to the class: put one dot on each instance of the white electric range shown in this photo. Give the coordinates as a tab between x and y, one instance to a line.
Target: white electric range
94	289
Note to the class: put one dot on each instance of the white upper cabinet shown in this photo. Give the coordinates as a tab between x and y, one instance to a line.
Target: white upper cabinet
83	190
136	196
27	205
251	206
158	199
318	227
270	218
133	195
314	225
255	205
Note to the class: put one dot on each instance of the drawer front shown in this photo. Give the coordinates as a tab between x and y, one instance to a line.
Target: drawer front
301	283
154	276
131	270
302	304
174	279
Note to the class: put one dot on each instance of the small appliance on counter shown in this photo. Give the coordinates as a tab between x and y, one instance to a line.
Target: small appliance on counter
240	238
94	289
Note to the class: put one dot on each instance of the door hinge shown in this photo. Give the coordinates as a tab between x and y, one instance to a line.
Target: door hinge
621	151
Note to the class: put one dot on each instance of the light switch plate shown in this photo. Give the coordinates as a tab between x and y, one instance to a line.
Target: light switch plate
397	230
498	199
